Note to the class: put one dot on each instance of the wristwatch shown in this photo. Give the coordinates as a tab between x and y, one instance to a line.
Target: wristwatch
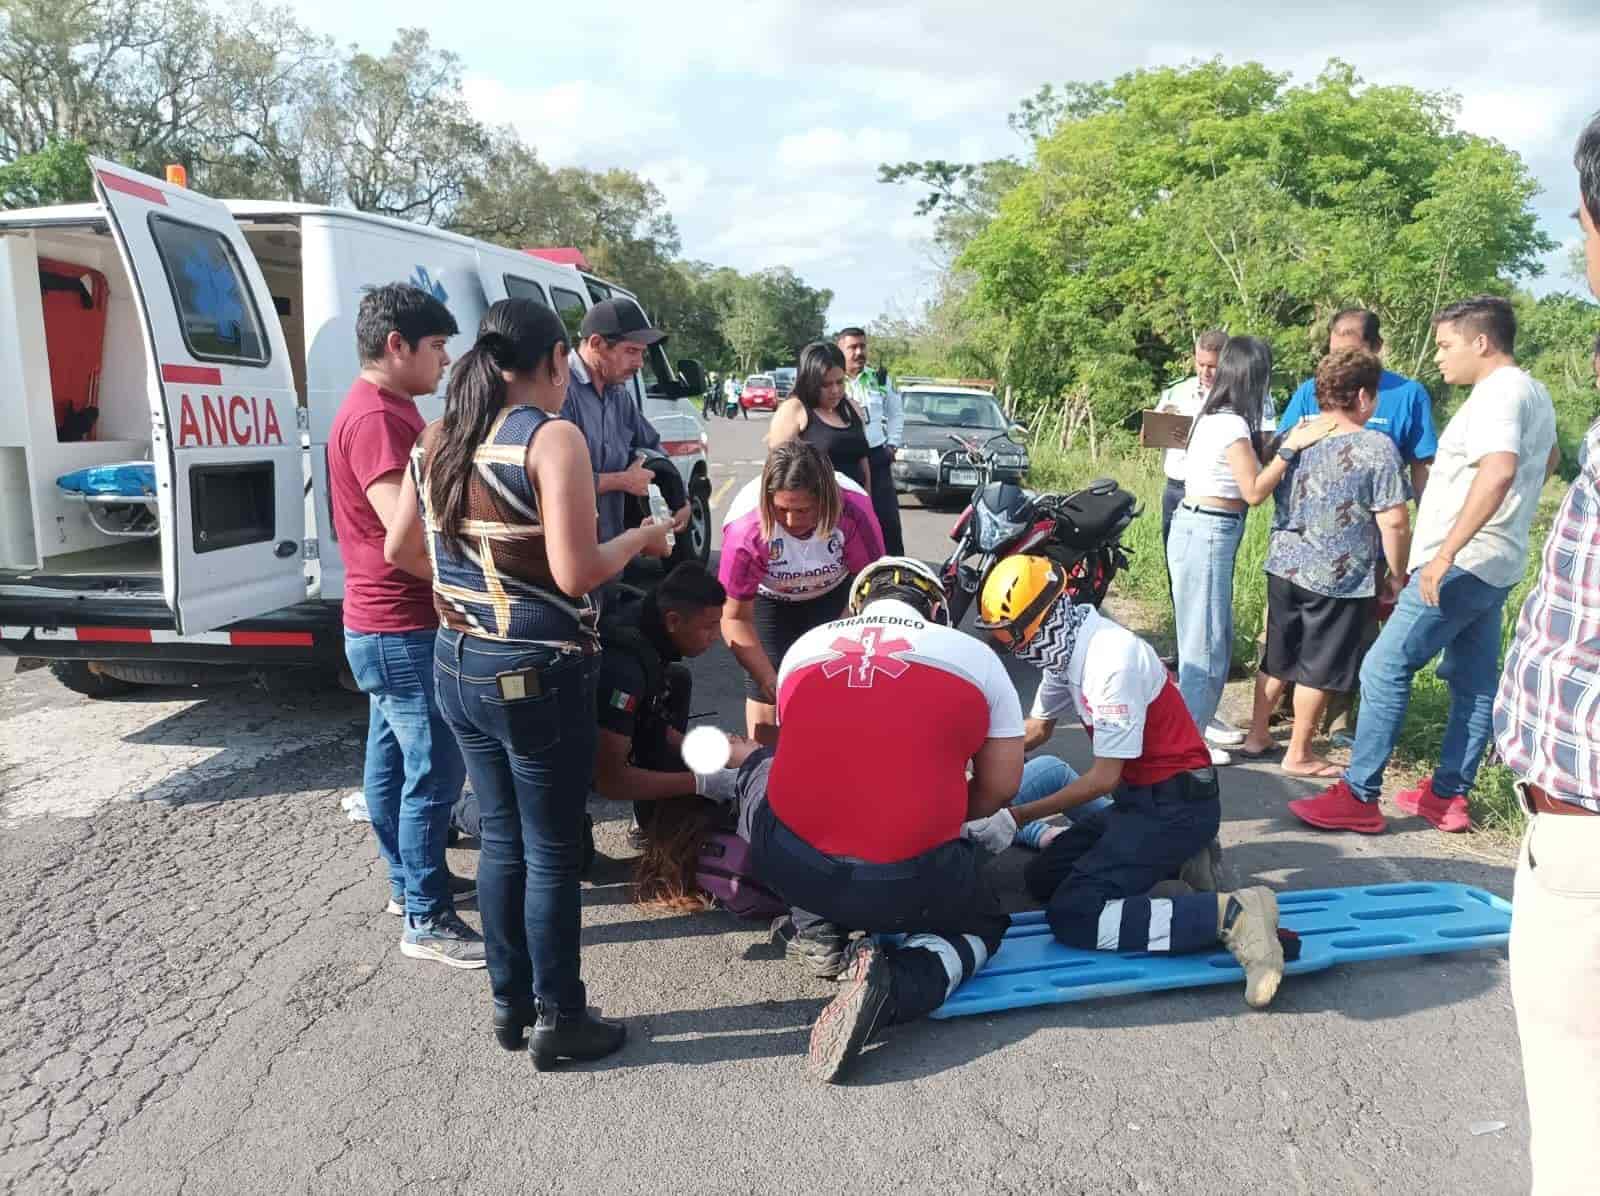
1288	454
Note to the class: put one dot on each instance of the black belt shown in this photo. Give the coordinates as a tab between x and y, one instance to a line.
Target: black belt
1199	510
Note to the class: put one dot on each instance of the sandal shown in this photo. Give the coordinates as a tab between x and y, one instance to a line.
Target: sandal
1322	771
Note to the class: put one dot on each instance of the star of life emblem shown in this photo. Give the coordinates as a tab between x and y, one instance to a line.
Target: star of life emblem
863	658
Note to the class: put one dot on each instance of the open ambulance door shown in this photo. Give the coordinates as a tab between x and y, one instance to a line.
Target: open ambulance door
224	437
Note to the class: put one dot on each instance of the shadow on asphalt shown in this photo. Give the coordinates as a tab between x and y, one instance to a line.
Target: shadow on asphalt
722	1033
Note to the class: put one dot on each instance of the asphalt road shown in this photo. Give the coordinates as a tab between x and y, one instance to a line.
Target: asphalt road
199	991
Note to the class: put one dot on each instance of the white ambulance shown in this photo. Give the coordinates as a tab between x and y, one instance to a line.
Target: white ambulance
213	342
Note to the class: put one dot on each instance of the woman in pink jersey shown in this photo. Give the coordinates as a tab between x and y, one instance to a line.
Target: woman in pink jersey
792	540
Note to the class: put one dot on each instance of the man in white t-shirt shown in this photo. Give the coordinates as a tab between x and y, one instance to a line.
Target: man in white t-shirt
1469	549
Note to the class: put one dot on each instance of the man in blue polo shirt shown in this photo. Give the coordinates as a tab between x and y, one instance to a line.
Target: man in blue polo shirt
1405	409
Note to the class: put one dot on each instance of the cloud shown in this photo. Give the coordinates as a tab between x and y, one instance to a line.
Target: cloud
763	122
684	181
577	122
829	150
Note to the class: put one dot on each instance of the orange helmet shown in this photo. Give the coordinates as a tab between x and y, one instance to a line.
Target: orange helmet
1017	596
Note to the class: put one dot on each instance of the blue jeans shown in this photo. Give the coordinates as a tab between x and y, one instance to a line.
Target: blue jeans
1200	555
1465	626
1042	776
413	772
530	760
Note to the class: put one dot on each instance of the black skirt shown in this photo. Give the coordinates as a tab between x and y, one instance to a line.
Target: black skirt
780	624
1315	640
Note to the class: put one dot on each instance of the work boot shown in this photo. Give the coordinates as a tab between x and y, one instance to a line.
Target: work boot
821	948
580	1036
1247	924
511	1023
844	1027
1202	871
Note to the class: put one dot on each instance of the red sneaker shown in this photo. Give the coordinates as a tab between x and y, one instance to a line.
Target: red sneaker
1337	808
1449	814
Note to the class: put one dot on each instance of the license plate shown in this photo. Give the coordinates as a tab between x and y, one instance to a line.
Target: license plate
963	477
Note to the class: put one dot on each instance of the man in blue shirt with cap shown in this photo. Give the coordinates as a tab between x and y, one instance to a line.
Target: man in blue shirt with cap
611	346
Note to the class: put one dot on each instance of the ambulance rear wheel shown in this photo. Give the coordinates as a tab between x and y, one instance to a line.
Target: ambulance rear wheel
81	678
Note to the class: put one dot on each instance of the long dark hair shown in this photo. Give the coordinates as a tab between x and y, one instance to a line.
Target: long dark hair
1244	371
816	359
663	877
516	336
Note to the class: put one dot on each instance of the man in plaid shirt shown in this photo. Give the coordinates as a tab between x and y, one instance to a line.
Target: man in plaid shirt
1547	728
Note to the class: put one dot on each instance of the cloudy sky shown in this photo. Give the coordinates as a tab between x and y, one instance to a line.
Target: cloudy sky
764	122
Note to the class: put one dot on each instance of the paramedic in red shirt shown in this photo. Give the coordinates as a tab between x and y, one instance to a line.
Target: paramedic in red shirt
877	846
1096	875
413	771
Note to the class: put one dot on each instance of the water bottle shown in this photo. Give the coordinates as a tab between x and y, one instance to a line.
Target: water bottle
660	513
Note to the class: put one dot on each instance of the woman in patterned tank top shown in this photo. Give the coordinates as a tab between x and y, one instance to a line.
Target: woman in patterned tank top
499	510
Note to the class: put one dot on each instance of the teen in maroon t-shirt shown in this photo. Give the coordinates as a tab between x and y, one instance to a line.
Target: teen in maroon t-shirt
413	770
368	448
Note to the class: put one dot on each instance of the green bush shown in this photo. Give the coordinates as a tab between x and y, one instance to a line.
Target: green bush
1494	802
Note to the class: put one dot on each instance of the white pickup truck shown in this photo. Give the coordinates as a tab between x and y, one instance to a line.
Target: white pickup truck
213	341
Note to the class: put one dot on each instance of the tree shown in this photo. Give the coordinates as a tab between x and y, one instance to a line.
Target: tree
799	313
58	173
400	132
748	325
1177	199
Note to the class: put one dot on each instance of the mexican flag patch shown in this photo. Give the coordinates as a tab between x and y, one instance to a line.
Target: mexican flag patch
626	703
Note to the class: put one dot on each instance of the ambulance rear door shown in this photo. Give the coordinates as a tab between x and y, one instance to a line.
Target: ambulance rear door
224	437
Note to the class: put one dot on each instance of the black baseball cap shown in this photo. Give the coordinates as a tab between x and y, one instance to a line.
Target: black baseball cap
621	318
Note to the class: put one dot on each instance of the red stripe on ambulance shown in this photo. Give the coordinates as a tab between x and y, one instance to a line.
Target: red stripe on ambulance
114	635
201	374
680	448
115	182
149	635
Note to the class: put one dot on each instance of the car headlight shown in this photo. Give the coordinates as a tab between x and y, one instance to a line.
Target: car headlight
919	456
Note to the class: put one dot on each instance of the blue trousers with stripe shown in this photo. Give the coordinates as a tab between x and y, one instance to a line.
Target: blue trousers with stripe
1094	877
943	901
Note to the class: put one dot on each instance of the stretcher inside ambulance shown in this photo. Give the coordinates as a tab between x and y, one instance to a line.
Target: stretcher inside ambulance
170	366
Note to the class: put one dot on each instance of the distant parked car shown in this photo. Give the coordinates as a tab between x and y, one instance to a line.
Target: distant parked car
930	463
760	393
784	377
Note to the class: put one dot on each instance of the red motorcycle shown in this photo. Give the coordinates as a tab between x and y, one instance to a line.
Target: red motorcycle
1080	531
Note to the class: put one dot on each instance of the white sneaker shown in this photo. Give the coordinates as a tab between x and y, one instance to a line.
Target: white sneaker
1223	734
1220	757
354	804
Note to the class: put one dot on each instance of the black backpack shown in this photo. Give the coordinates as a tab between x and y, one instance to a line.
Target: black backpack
1095	516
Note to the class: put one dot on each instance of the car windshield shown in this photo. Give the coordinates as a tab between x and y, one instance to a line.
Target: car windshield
758	380
954	410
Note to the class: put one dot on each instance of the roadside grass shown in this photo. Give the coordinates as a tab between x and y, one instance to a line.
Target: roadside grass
1494	802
